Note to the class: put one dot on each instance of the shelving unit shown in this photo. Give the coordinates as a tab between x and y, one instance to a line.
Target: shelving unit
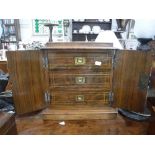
78	24
11	31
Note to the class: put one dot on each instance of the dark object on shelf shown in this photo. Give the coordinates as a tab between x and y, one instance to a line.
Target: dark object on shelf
144	48
3	81
50	26
122	23
144	41
134	115
151	44
7	94
6	101
5	106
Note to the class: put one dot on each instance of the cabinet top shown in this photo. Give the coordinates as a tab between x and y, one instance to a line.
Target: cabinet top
78	45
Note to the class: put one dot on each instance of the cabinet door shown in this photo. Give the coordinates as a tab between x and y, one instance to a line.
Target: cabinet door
28	76
131	77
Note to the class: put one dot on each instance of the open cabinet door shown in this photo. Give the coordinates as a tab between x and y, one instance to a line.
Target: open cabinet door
130	80
28	76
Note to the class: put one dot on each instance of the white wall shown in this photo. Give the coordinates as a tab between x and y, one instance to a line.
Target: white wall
144	28
26	32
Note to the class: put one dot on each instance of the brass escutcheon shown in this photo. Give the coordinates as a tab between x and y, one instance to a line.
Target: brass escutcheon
80	80
79	98
80	60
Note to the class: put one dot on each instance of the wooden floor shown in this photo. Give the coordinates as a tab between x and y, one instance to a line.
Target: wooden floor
34	125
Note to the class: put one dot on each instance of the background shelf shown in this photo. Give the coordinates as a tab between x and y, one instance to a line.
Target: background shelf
77	25
11	31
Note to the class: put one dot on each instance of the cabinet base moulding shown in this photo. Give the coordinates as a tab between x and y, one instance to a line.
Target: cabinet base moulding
78	113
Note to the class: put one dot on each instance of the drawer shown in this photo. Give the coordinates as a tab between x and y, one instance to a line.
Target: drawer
80	80
79	97
80	70
78	60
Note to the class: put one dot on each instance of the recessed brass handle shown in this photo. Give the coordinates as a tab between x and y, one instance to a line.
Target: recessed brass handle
79	98
80	80
80	60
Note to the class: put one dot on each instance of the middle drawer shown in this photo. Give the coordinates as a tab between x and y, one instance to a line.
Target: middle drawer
81	80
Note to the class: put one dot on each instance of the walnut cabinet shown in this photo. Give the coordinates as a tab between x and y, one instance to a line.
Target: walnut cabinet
85	74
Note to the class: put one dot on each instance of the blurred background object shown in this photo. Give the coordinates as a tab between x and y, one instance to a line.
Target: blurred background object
109	37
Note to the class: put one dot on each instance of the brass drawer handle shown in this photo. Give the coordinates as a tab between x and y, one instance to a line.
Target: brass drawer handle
80	80
80	60
79	98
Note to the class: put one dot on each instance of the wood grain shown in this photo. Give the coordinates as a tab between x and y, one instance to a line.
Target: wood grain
34	125
89	98
78	45
3	66
7	124
66	58
28	79
129	66
123	79
152	78
78	112
103	80
151	107
64	72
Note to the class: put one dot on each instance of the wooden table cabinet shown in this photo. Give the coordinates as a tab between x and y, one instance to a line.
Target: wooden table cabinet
80	76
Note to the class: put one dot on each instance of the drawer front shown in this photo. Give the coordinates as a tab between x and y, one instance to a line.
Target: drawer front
80	70
67	61
80	80
79	97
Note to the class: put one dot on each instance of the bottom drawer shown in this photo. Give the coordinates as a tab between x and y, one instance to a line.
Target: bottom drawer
89	98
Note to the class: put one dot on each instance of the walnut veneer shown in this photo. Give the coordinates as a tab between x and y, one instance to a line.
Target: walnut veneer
84	74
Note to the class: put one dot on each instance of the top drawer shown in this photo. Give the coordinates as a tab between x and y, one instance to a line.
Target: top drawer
78	60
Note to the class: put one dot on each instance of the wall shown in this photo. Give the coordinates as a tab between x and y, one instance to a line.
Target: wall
26	32
145	28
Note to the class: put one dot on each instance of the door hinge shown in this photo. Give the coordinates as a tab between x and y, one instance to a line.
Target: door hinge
45	62
47	97
111	97
143	81
115	59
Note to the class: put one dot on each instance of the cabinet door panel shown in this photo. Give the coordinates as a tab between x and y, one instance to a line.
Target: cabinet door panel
131	77
28	79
